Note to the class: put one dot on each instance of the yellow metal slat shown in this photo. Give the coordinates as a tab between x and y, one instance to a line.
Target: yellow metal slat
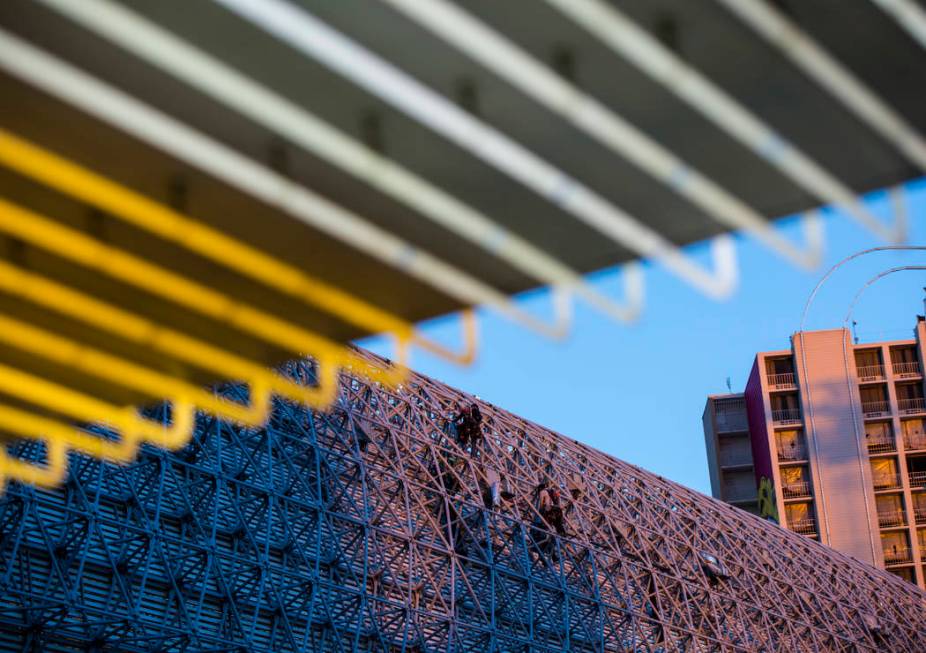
142	212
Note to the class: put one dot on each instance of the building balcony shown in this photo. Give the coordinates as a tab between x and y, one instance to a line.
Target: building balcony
805	526
732	425
911	406
914	442
736	465
886	481
788	454
919	515
876	408
917	479
892	519
781	381
730	415
881	444
907	370
796	490
786	416
871	373
898	555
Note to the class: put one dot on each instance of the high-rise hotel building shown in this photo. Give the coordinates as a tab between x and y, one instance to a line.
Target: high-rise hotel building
829	439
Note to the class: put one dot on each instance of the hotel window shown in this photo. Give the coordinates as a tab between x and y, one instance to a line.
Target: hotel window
896	547
890	510
884	473
909	391
798	513
790	445
874	399
779	372
901	355
919	506
879	437
873	394
868	363
795	482
914	433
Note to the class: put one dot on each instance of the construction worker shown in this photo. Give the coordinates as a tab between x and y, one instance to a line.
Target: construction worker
363	439
458	426
575	486
713	568
541	503
491	489
469	427
547	503
555	515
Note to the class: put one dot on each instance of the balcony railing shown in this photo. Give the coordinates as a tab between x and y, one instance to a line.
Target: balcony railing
796	490
732	423
919	515
898	555
909	406
907	369
914	441
917	479
736	459
787	416
886	481
796	452
730	415
880	443
780	381
891	518
871	372
805	526
875	408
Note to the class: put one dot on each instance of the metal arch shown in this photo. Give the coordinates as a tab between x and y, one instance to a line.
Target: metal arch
364	529
851	257
875	279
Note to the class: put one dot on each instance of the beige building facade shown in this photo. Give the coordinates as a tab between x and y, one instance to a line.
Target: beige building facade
836	435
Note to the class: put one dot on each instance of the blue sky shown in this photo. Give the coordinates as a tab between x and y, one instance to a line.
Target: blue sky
638	391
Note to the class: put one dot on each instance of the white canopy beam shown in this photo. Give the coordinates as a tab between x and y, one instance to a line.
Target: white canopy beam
497	53
299	126
635	44
838	80
70	84
311	36
909	15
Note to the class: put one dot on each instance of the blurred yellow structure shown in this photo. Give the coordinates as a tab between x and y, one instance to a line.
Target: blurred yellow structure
193	193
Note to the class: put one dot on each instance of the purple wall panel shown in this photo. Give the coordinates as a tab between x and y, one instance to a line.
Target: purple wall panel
758	429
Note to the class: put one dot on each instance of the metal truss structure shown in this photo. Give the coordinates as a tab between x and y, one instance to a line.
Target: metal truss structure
365	528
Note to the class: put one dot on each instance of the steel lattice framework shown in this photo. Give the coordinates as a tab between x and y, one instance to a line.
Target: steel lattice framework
364	528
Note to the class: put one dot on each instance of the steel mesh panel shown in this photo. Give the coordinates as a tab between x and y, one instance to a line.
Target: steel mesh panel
364	528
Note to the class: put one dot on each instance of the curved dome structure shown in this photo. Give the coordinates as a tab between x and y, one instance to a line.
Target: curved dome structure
366	528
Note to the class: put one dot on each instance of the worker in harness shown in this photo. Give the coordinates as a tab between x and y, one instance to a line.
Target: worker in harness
548	504
468	424
491	489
